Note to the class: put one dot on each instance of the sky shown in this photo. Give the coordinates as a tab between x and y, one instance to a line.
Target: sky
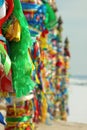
74	15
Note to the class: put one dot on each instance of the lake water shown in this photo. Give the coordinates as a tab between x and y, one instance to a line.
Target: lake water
78	100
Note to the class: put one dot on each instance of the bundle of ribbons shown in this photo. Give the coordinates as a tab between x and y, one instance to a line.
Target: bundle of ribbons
49	55
19	116
15	66
33	60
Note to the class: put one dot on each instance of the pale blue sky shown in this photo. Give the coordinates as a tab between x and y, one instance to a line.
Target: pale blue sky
74	15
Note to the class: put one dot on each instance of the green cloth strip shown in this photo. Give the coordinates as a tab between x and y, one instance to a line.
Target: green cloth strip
19	119
7	63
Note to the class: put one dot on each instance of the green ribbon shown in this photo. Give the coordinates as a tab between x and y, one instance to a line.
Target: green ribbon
51	20
7	62
19	119
51	25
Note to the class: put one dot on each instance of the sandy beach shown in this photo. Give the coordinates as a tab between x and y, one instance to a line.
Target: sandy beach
63	126
59	126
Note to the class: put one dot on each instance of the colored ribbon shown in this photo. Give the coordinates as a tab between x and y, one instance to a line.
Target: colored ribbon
19	119
7	62
29	6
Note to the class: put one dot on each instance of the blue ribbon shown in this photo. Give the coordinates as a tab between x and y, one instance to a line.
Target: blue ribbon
2	119
29	6
1	2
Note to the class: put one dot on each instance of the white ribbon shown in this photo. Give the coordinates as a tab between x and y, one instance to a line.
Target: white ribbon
3	10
